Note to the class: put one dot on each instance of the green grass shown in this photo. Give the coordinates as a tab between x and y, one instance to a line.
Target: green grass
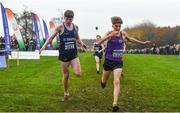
151	83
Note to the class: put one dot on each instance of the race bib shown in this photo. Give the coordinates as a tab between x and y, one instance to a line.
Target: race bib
96	49
69	45
117	53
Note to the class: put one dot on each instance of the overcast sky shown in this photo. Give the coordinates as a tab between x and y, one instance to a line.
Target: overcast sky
91	13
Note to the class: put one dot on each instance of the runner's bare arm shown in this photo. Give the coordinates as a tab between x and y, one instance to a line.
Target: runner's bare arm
107	36
58	30
131	39
101	50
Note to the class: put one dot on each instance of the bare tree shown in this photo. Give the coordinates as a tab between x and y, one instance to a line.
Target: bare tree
26	24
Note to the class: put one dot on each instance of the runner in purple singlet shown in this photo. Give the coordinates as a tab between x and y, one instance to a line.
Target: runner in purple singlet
113	56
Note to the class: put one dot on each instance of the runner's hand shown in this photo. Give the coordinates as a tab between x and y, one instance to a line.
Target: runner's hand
84	46
43	48
114	33
147	42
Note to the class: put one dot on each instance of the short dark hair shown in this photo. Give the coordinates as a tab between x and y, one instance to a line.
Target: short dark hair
116	19
98	36
69	13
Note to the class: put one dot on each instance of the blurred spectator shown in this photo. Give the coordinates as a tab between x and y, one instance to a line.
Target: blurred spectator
27	44
2	43
14	43
31	45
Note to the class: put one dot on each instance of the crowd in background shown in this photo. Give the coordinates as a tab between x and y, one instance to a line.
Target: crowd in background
2	43
30	45
162	50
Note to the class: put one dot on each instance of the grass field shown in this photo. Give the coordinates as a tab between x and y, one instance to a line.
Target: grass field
150	83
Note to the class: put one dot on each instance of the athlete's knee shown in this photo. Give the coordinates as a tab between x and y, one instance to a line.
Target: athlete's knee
116	82
66	73
77	73
66	76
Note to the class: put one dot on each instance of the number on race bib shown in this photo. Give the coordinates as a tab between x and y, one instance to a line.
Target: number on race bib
117	53
69	46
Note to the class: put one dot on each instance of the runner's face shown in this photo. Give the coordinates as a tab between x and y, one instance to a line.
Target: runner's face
97	39
117	27
68	20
